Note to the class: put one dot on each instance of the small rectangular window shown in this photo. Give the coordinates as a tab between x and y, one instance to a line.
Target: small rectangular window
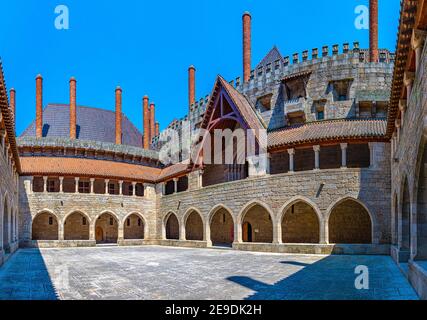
111	221
128	222
84	187
84	221
50	221
111	188
139	222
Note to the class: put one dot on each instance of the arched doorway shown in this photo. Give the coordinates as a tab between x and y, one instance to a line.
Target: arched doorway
406	218
222	228
259	225
45	227
194	227
300	224
350	223
76	227
106	228
134	227
172	227
422	208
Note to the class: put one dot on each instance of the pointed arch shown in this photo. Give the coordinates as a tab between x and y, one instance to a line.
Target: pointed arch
133	229
194	224
107	225
45	225
349	220
171	226
76	225
220	225
256	222
300	221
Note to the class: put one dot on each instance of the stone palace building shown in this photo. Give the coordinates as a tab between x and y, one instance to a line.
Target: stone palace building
345	174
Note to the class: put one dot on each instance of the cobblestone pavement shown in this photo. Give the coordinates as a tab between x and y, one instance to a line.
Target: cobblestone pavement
175	273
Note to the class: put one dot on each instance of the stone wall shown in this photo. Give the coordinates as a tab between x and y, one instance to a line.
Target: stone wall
92	206
322	189
8	202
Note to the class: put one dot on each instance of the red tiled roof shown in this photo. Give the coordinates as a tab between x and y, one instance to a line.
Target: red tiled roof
8	119
173	170
87	168
327	131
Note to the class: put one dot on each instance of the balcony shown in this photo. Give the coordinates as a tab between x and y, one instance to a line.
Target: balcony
295	107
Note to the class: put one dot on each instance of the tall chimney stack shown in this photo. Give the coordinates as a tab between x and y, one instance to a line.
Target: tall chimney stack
373	31
152	122
146	122
191	85
73	107
39	106
157	129
13	102
118	115
246	46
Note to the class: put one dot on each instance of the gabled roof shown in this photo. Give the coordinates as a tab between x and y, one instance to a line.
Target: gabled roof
272	56
93	124
242	104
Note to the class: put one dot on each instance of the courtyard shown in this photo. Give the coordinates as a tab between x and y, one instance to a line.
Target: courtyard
154	272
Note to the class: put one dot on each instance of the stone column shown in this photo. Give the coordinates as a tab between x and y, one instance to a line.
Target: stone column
77	184
417	43
175	185
344	155
238	232
408	81
44	184
61	230
31	185
121	187
106	185
92	180
291	153
200	182
181	231
277	232
163	188
316	157
61	184
134	189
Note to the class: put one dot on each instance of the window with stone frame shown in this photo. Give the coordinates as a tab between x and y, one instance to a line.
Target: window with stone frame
340	89
112	188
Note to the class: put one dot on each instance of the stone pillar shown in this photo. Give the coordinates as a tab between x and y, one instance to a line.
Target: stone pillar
61	184
121	187
175	185
134	189
92	181
163	188
181	231
277	232
31	185
344	155
238	232
61	231
106	185
372	158
121	233
316	157
417	42
200	181
291	153
408	81
77	184
45	184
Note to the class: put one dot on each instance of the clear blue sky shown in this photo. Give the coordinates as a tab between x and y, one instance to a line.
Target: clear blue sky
147	46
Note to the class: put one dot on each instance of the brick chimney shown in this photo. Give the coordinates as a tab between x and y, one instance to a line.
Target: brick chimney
152	122
73	107
191	85
146	123
12	95
157	129
246	46
118	115
39	106
373	31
